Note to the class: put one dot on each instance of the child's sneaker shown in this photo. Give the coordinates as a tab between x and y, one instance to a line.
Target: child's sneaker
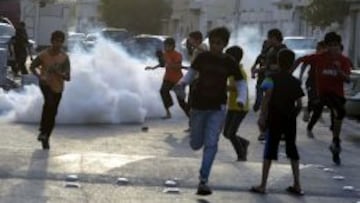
45	144
244	149
310	134
306	116
41	137
203	189
335	150
261	137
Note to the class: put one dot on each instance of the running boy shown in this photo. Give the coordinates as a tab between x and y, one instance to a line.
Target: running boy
172	75
52	67
280	107
236	114
209	99
332	70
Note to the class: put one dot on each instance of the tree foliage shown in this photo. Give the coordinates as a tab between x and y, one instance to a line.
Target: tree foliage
323	13
139	16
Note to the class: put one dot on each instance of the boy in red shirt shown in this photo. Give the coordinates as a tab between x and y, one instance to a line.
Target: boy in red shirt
332	70
172	75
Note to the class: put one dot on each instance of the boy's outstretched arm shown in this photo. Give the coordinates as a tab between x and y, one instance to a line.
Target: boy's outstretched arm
188	77
179	88
153	67
34	65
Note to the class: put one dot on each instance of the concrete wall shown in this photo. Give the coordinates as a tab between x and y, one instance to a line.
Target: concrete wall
40	22
87	15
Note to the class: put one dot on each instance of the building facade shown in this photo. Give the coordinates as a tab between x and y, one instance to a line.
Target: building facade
67	15
87	15
263	15
42	19
353	30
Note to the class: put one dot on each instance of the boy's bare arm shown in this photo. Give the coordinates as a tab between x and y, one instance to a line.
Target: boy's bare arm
153	67
66	73
35	64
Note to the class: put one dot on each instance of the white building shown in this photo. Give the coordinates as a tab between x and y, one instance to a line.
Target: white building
190	15
42	20
87	15
65	15
353	30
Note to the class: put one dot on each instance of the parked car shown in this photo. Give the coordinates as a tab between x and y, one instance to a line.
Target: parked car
90	40
145	45
352	92
117	35
301	45
75	39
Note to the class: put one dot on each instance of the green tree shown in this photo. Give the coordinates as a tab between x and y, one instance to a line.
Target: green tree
139	16
323	13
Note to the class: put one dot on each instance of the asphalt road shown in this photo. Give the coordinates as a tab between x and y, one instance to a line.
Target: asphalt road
98	155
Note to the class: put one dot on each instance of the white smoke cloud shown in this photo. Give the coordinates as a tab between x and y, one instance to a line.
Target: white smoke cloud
109	86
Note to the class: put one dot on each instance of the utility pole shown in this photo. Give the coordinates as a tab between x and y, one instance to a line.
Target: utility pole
237	14
37	20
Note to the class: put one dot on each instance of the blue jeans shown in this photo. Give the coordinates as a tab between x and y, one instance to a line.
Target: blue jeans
206	126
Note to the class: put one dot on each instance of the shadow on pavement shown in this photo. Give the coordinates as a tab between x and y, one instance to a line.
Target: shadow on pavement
33	184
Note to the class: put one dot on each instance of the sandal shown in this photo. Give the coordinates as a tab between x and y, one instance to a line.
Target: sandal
257	190
293	191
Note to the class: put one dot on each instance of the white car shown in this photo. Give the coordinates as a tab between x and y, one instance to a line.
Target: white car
75	39
352	92
301	45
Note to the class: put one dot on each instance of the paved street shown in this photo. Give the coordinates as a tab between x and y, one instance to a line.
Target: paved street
100	154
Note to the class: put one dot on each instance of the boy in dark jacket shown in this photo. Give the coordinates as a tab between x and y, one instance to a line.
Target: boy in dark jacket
280	107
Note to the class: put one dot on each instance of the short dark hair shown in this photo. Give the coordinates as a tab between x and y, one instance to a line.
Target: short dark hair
321	44
196	35
169	41
332	37
236	52
58	34
220	32
275	33
285	58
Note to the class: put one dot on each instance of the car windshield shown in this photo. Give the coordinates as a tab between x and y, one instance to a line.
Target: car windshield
77	37
149	42
117	36
306	43
91	37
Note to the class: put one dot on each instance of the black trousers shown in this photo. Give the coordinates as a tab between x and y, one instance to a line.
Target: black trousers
278	126
335	103
165	89
232	123
50	107
20	62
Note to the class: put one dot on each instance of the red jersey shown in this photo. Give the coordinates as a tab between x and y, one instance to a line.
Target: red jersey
172	74
328	80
